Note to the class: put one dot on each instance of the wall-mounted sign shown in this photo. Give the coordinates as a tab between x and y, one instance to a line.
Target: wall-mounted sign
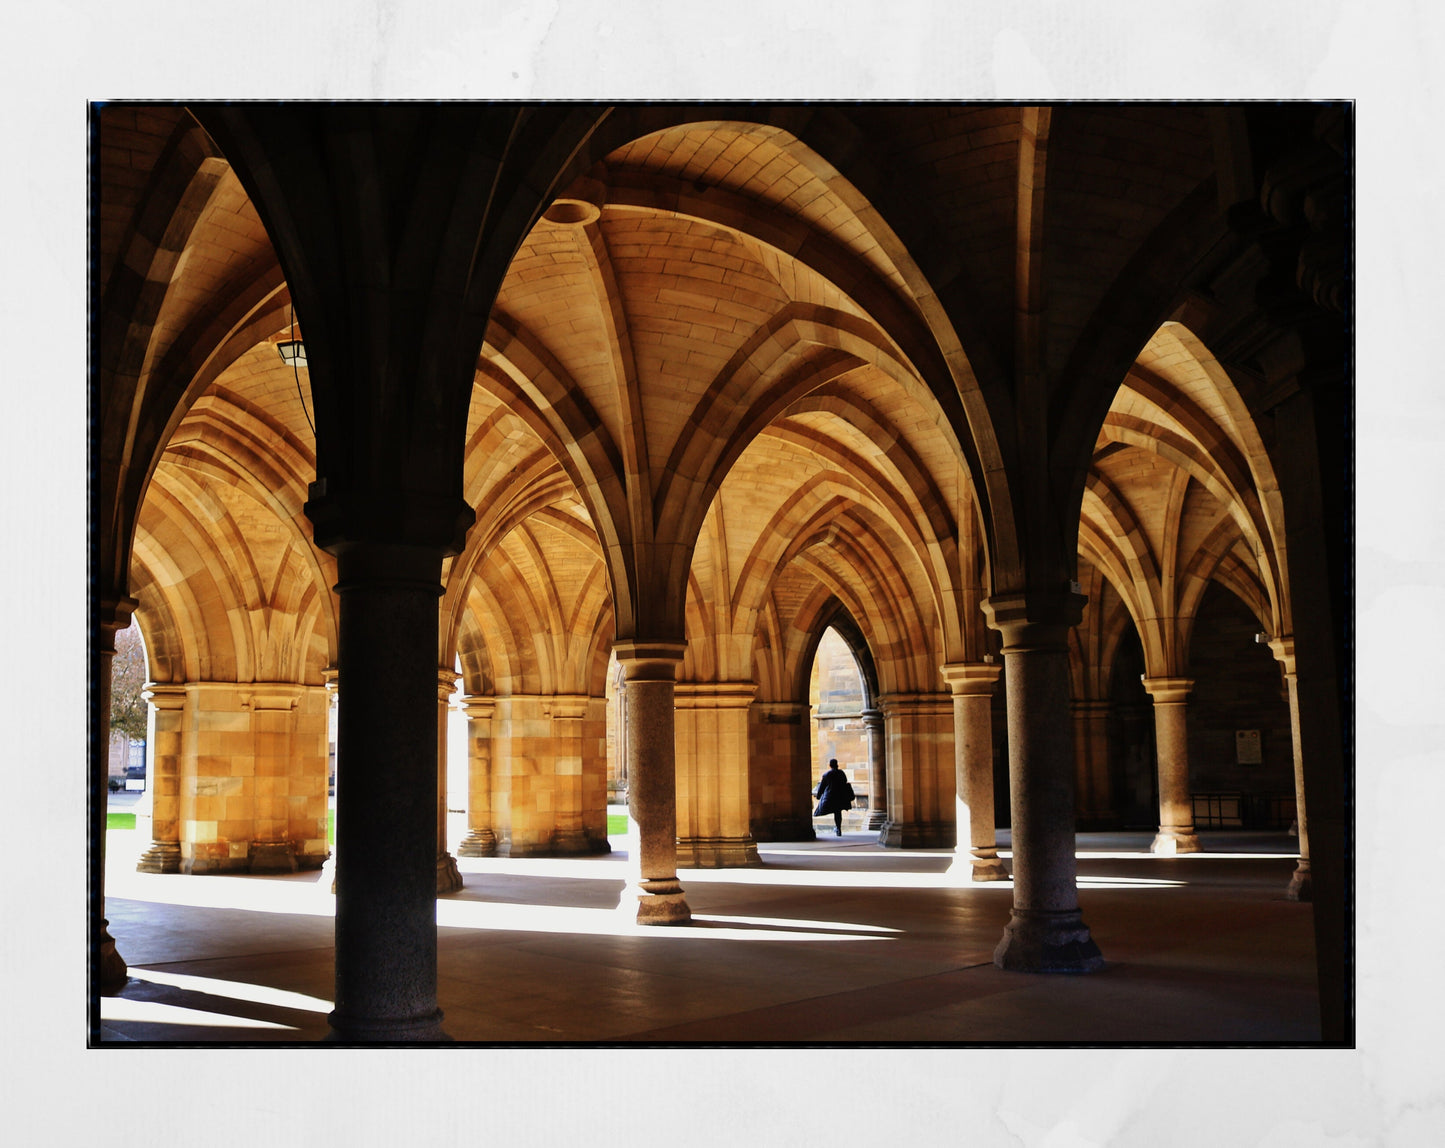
1246	747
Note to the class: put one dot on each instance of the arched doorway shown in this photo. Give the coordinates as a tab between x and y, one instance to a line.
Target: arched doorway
840	711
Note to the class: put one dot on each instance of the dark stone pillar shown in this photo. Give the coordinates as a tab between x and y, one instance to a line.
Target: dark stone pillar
1313	465
1046	932
653	895
386	795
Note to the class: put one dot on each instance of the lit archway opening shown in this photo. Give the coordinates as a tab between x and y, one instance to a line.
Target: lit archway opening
840	706
129	730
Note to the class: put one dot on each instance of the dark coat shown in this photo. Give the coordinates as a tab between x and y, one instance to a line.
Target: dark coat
834	793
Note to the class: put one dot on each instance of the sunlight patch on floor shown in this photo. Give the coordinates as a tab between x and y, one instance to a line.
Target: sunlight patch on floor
299	895
794	923
609	867
823	878
154	1012
235	990
863	849
458	914
1144	855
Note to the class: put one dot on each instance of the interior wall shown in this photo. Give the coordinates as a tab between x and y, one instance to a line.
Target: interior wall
1238	686
1133	763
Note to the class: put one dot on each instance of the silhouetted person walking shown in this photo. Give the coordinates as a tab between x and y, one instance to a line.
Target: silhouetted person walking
835	794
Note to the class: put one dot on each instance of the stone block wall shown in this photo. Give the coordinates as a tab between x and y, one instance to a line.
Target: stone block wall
922	776
1093	782
252	776
549	775
710	737
522	813
1237	685
780	765
594	776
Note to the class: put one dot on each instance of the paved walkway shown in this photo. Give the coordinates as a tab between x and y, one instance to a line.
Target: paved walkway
832	941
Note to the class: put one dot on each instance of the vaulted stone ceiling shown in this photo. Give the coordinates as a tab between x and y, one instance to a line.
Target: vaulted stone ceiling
712	327
710	337
1182	493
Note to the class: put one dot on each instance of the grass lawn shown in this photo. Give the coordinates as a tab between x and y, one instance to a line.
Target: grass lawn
616	823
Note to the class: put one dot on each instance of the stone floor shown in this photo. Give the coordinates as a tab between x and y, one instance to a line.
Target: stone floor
830	942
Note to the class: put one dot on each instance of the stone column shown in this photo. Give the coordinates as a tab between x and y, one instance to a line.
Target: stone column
620	740
108	971
711	734
481	839
449	878
271	722
1171	740
976	855
653	895
386	940
1046	931
1301	885
921	772
877	769
163	778
567	712
307	801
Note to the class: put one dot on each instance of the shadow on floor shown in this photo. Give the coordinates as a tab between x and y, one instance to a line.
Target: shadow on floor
829	942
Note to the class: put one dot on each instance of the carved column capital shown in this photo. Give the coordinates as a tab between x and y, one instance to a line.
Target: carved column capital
1283	650
971	678
649	661
425	522
165	695
446	684
1168	691
478	708
1038	620
112	614
714	695
897	705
